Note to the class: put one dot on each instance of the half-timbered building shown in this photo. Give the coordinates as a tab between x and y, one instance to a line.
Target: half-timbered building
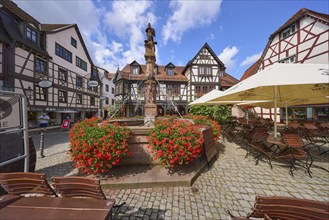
205	72
171	95
176	85
34	54
304	38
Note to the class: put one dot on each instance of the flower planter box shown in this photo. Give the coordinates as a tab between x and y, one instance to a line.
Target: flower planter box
141	154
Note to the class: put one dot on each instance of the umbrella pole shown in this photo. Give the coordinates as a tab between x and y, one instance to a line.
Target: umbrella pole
286	114
275	109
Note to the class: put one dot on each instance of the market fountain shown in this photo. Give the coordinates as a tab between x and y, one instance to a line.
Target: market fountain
138	143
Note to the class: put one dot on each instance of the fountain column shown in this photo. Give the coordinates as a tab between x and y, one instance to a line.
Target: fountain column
150	83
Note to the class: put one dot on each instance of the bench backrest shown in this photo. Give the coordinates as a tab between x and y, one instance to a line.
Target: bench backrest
19	183
78	187
290	208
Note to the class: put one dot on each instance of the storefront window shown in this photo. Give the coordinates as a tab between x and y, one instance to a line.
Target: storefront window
321	113
299	113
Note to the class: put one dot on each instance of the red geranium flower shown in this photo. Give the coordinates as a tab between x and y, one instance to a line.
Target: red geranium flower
96	148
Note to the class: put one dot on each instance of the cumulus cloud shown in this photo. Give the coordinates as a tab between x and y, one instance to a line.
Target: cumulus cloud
126	20
227	57
187	15
251	59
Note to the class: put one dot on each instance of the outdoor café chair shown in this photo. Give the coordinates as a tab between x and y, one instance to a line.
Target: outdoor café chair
228	133
73	186
286	208
295	151
23	183
314	136
258	143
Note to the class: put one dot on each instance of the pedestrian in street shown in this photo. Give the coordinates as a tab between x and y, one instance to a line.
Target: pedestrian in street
43	121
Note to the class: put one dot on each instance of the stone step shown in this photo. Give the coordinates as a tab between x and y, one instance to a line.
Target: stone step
149	176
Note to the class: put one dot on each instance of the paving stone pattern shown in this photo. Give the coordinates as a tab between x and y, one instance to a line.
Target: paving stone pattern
231	183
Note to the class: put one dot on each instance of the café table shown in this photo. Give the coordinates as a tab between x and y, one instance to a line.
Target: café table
276	142
45	208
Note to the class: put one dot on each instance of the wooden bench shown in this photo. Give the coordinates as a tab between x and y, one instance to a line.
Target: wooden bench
287	208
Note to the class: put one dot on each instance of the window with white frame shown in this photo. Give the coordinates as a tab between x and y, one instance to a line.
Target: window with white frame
62	96
135	70
289	31
41	93
107	88
79	99
107	101
209	71
62	75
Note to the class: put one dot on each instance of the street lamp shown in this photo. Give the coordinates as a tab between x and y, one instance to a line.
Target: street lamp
29	92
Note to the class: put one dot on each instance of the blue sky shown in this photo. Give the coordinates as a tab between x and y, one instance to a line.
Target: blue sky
114	31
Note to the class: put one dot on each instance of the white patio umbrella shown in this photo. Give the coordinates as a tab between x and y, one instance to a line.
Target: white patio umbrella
206	97
203	100
286	84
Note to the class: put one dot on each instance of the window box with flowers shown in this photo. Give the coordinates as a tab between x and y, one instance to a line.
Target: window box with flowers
95	147
175	142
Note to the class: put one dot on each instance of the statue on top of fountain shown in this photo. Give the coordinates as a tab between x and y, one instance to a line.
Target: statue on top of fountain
150	32
150	51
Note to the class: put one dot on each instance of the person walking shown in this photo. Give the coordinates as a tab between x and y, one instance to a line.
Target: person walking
43	121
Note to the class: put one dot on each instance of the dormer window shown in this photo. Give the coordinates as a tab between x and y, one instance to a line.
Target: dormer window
170	72
31	34
170	69
135	70
289	31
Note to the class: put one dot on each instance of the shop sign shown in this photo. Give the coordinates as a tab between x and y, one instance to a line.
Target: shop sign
10	108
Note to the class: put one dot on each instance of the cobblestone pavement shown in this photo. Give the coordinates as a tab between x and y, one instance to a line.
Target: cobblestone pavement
231	183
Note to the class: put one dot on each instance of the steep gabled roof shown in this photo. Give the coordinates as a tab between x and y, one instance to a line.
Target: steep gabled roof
227	80
251	70
52	30
220	63
18	12
161	75
170	65
11	32
54	27
300	14
134	63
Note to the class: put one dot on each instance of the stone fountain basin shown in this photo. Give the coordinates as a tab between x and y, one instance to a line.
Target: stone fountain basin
141	171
